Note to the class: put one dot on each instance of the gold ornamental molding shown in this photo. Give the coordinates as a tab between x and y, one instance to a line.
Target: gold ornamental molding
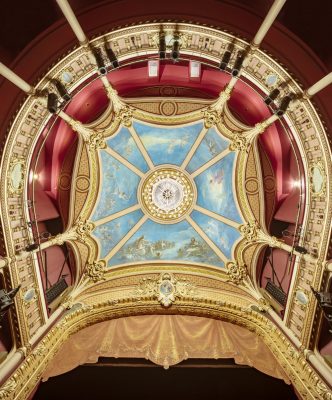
208	45
307	383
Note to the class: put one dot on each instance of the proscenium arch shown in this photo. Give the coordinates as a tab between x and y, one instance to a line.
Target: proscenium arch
290	359
230	312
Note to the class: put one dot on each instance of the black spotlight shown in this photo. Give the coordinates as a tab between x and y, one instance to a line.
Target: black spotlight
31	247
301	249
112	57
7	300
52	103
175	53
62	90
162	46
238	65
272	96
284	105
225	60
100	62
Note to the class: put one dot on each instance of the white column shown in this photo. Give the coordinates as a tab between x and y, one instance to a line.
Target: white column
72	20
320	85
15	79
268	21
320	367
11	362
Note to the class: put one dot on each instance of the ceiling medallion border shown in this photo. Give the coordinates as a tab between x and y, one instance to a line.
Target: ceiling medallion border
167	194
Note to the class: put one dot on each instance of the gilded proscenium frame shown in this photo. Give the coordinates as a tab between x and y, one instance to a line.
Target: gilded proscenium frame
307	383
310	136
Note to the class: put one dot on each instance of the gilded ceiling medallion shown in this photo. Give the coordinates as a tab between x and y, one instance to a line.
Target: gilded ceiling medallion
167	194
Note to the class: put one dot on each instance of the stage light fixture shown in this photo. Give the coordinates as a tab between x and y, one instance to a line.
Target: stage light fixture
272	96
225	60
284	105
238	65
162	46
112	57
100	61
7	300
175	53
61	89
52	103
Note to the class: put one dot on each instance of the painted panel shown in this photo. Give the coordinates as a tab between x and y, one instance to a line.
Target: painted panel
222	235
211	145
111	233
119	187
215	189
168	145
124	144
174	242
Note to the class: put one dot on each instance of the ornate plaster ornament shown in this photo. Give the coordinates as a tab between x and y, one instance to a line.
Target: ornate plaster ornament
165	289
95	271
167	194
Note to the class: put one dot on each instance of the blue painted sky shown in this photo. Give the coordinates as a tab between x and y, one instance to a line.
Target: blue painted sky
168	145
119	187
124	144
178	242
112	232
211	145
222	235
215	189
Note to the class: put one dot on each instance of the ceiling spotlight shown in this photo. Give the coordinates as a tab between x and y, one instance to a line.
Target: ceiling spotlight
112	57
225	60
175	53
52	103
6	300
272	96
284	105
238	64
100	61
301	249
162	46
61	89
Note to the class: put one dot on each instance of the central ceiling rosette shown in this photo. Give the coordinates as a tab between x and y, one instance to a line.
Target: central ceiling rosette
167	195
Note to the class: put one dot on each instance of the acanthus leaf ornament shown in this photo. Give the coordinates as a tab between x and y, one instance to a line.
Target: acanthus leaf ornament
83	229
211	117
165	289
122	111
8	388
249	231
96	271
238	143
236	273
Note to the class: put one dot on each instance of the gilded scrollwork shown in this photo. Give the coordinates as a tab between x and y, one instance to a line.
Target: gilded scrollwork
165	289
95	271
83	229
236	273
94	139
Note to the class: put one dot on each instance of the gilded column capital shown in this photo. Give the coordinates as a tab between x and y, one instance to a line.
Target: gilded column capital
122	111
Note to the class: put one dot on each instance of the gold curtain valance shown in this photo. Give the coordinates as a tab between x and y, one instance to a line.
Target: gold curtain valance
165	340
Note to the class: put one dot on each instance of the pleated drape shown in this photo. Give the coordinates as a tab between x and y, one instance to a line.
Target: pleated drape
165	340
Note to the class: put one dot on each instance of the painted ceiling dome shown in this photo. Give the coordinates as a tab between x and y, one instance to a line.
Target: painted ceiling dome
152	177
